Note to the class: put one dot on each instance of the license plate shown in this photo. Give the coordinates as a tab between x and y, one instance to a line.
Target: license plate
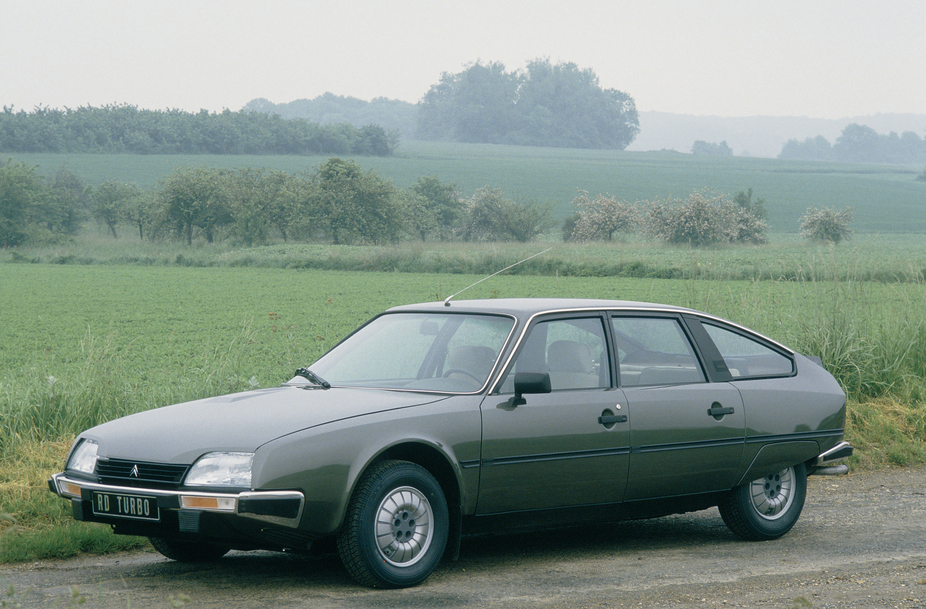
125	506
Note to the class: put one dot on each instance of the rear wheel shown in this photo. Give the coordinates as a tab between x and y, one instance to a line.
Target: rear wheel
188	551
396	527
766	508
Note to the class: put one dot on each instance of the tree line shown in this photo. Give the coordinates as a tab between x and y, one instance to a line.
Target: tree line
337	202
858	144
127	129
340	203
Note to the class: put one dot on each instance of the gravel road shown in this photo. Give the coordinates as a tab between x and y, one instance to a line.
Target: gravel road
861	542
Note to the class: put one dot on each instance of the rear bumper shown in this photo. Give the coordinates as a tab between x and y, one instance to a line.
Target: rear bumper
826	463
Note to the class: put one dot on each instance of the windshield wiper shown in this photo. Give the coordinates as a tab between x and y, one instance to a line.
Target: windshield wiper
308	374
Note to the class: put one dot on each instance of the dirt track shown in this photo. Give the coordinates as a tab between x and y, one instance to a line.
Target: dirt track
861	542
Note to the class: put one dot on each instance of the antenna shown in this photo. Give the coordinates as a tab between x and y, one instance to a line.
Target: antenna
448	299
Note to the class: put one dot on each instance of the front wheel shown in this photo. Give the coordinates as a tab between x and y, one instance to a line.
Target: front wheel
396	526
766	508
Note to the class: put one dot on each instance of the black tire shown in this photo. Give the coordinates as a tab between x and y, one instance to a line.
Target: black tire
188	551
766	508
396	527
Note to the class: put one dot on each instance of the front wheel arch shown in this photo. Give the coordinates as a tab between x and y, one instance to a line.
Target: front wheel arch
397	526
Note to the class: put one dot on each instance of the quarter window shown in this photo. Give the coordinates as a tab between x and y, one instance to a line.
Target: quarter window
746	357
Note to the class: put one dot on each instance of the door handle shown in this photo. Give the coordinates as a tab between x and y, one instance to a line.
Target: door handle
717	411
611	419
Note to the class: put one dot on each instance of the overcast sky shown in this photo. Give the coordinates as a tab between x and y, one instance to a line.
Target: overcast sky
816	58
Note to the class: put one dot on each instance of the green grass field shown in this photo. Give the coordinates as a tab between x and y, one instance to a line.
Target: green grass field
95	328
81	344
886	198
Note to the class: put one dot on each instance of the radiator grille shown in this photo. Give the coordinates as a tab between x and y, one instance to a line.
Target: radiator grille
140	474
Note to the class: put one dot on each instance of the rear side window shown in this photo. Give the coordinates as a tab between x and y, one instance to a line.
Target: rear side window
746	357
654	351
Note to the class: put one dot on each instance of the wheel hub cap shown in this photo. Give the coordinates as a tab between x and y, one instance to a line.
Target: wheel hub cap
772	495
403	526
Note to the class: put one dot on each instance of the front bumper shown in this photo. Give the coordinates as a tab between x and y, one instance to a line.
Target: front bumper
147	505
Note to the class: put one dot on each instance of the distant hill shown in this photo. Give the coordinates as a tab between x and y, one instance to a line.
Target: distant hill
759	136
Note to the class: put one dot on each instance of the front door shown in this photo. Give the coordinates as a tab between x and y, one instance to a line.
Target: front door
569	447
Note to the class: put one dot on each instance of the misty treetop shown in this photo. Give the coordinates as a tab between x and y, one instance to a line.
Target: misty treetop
858	144
557	105
127	129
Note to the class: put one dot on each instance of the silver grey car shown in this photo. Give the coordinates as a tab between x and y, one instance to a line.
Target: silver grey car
433	421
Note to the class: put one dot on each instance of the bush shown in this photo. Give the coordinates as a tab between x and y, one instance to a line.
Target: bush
492	217
826	225
598	220
706	219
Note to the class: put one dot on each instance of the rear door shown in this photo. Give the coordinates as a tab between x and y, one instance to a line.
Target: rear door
687	432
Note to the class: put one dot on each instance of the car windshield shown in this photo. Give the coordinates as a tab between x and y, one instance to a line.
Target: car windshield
429	352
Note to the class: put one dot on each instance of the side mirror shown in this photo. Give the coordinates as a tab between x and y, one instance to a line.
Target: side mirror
529	382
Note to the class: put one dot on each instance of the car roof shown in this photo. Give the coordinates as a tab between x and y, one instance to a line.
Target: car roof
521	307
525	308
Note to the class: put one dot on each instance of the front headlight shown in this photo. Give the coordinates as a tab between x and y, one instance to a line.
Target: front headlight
221	469
83	459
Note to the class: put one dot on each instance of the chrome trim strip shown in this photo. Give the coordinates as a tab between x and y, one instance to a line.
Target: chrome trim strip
841	451
62	478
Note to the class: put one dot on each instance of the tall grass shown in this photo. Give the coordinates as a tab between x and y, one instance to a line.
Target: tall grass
49	403
880	258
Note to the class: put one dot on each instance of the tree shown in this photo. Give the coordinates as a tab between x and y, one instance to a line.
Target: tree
437	207
256	203
476	105
811	149
708	148
193	197
353	206
564	106
109	202
21	193
140	211
857	143
66	206
492	217
745	219
546	105
826	225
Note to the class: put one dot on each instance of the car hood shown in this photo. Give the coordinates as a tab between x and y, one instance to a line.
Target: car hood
239	422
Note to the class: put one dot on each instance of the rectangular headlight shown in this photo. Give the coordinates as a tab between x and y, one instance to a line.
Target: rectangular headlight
83	459
221	469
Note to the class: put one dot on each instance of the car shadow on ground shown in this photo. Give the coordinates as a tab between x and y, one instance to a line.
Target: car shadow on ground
480	553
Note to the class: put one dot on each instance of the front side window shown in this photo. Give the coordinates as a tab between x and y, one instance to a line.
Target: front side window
440	352
654	351
746	357
572	351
